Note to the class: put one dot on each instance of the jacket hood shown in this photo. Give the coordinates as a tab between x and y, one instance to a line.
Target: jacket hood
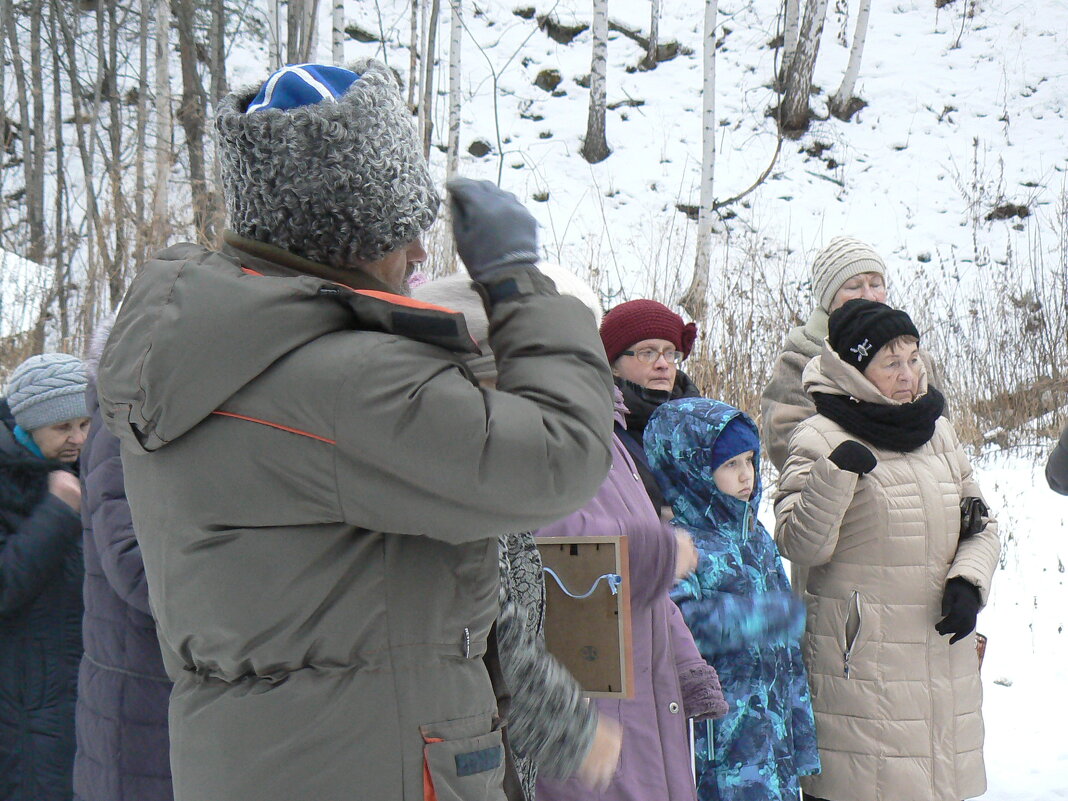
829	374
679	440
808	339
197	326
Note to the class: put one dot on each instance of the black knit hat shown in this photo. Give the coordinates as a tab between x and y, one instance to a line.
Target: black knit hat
858	329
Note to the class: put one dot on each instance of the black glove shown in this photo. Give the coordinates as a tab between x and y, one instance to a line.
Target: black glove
960	605
493	231
854	457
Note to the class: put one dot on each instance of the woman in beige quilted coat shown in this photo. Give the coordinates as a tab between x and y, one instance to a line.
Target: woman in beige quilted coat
869	501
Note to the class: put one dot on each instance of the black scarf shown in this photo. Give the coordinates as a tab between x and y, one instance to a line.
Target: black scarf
901	428
642	402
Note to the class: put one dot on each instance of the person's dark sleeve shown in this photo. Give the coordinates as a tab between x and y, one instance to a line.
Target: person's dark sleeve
33	554
551	722
108	510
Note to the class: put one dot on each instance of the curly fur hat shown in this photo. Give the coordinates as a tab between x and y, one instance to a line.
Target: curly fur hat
335	182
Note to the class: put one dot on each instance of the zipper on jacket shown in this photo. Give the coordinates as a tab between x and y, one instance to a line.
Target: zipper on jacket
851	641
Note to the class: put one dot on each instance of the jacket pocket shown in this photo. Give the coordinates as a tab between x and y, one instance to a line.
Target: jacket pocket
463	760
853	619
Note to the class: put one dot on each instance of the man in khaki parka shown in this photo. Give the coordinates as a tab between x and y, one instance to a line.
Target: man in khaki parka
316	481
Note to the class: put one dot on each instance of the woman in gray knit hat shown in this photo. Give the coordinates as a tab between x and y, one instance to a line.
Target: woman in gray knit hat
42	429
847	268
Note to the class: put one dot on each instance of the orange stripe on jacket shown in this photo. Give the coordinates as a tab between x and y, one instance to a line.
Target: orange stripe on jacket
388	297
279	426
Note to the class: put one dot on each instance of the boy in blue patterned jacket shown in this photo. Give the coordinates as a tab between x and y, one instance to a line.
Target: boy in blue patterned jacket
738	604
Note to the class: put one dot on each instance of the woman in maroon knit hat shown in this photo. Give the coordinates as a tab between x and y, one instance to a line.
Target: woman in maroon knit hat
645	343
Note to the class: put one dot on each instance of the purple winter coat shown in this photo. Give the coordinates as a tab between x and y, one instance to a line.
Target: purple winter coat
655	759
121	717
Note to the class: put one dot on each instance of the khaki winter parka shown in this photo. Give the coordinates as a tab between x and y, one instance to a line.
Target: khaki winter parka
317	486
897	707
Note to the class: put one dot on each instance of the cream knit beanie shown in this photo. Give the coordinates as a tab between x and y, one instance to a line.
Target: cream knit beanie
843	258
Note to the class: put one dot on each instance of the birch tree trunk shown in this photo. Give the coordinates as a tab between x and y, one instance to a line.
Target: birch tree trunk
452	161
274	33
164	123
791	29
337	37
452	157
654	35
294	17
413	57
795	108
595	146
695	298
426	107
842	101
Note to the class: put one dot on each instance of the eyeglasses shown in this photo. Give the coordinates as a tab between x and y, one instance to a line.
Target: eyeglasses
650	355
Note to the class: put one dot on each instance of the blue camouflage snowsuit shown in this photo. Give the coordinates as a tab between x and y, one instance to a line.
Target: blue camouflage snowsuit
744	618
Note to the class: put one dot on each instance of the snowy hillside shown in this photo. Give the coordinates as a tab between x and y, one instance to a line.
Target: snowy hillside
964	114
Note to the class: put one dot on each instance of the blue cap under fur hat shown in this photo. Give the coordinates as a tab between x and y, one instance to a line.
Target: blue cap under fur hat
302	85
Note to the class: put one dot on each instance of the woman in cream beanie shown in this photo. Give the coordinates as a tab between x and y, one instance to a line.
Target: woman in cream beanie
845	269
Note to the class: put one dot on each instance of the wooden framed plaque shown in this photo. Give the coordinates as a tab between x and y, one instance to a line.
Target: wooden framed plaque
587	611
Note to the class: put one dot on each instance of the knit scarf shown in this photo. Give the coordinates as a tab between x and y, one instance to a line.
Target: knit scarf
642	402
901	428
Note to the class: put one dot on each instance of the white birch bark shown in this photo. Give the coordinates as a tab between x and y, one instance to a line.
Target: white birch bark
413	56
791	29
654	34
426	107
455	101
337	47
695	298
595	146
840	101
452	159
164	121
795	109
274	33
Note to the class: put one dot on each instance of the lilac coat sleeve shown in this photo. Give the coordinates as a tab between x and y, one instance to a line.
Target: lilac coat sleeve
622	507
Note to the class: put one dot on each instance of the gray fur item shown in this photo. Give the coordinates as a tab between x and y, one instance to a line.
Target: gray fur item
338	183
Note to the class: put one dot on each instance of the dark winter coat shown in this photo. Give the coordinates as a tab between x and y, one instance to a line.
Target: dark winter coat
318	486
1057	466
745	620
123	753
40	626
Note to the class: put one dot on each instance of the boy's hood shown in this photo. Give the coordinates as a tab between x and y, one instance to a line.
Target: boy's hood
197	326
679	440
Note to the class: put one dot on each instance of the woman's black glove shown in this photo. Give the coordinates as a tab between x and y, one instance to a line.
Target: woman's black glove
960	605
854	457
